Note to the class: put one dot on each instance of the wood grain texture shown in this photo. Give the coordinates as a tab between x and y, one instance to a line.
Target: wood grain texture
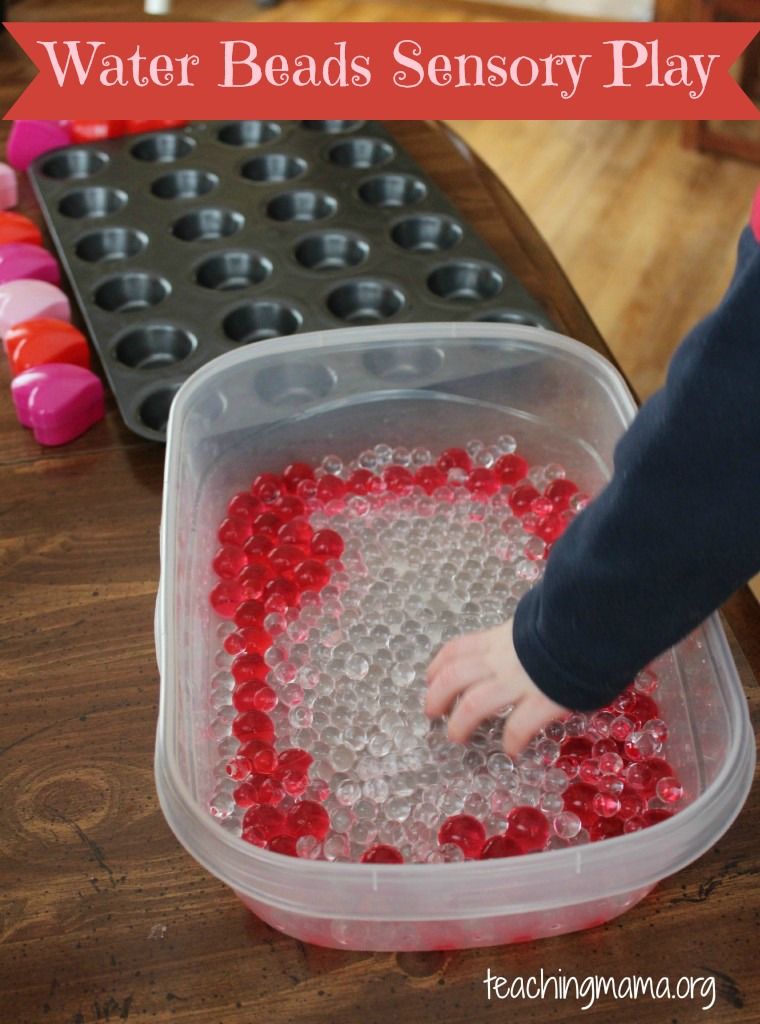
103	917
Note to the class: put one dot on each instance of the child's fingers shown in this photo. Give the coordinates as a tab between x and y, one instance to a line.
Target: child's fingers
451	677
527	718
463	646
477	703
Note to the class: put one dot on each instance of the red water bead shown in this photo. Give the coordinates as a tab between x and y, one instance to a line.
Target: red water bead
331	488
559	493
464	831
530	522
253	725
482	481
306	490
541	506
294	759
263	756
268	523
589	771
244	505
521	498
267	487
642	709
254	695
606	805
326	544
382	853
631	804
293	474
644	775
578	798
655	815
285	557
234	530
228	561
621	728
253	579
499	846
580	746
266	820
606	745
307	818
266	698
258	547
288	507
639	778
286	845
550	527
297	531
361	481
245	795
510	469
429	478
311	574
249	613
255	639
659	767
528	827
569	763
276	604
454	458
267	789
398	480
248	666
605	828
225	597
285	591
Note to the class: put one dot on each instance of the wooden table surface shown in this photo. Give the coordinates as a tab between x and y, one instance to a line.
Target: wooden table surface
104	916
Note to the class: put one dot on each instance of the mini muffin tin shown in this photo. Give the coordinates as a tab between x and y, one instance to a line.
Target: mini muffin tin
183	245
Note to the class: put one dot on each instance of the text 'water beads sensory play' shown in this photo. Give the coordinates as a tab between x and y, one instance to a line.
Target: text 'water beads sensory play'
336	585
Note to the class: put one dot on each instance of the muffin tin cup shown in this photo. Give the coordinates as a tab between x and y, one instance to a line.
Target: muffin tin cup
234	232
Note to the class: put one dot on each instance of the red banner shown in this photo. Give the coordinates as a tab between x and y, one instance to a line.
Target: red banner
217	70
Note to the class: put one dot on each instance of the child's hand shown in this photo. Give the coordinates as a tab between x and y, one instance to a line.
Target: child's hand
484	672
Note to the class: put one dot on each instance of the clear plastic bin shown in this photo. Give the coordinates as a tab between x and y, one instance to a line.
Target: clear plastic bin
439	385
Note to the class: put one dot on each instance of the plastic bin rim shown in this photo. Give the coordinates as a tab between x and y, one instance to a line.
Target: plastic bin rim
644	846
418	332
556	867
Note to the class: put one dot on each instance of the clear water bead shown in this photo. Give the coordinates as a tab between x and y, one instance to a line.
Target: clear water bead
566	825
357	666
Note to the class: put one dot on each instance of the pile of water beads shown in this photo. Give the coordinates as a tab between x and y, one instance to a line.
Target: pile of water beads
336	585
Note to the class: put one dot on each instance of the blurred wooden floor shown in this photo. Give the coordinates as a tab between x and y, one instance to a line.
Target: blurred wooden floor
645	230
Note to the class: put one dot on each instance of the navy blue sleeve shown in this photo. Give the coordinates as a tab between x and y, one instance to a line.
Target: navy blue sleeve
677	529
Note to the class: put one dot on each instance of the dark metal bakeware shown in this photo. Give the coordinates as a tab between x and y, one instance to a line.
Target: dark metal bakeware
182	245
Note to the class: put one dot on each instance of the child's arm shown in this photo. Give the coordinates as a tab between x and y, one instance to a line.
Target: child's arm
674	534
